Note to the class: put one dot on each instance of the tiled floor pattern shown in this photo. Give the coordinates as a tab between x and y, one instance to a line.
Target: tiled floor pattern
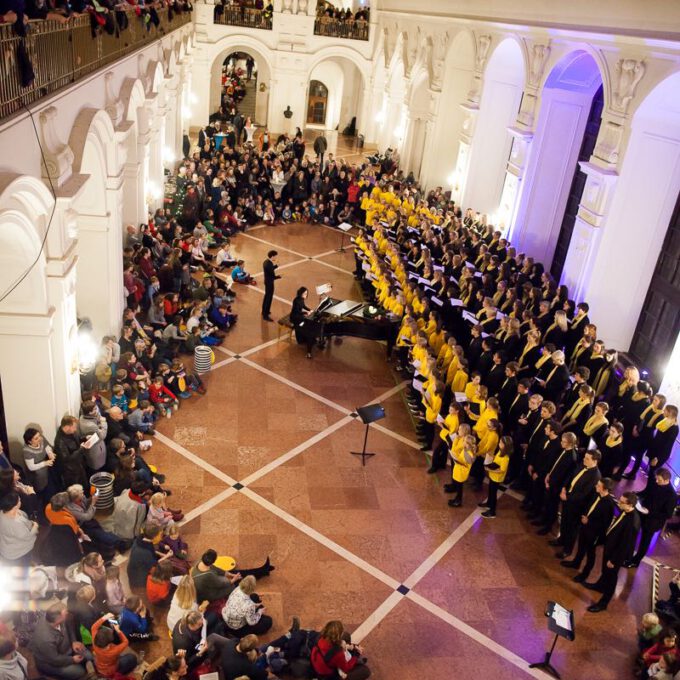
434	592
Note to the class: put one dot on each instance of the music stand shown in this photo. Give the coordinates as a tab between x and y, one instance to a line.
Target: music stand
368	414
560	622
344	228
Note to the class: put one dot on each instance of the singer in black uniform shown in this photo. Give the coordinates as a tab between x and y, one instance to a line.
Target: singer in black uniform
594	524
307	330
619	545
269	267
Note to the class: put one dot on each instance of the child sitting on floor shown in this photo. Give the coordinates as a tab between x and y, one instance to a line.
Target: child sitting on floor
115	594
180	550
240	275
162	398
159	589
158	512
648	630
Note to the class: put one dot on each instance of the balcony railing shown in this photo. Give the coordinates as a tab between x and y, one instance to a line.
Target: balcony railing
62	54
335	28
246	17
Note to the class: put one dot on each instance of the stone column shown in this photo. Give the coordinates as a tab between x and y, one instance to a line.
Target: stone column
602	172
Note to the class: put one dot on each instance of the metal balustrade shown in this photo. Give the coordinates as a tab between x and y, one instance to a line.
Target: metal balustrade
63	53
335	28
245	17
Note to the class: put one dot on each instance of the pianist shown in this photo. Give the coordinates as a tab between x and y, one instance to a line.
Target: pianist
307	330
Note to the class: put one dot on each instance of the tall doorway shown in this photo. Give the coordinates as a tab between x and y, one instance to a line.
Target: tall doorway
317	103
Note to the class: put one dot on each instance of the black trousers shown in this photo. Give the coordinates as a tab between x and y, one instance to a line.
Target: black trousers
646	536
569	524
267	300
586	547
492	498
607	581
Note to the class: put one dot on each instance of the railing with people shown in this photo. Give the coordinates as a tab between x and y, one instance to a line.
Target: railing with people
339	28
245	17
54	54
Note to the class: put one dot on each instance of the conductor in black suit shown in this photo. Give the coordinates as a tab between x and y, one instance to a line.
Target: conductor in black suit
575	495
269	267
619	545
595	521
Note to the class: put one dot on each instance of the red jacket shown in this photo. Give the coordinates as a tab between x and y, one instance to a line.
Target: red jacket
337	662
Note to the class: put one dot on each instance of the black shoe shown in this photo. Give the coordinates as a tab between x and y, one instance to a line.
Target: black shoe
631	564
425	448
432	470
579	578
295	624
570	564
267	318
597	607
544	531
483	504
455	503
561	555
449	488
489	515
555	542
160	478
630	475
593	586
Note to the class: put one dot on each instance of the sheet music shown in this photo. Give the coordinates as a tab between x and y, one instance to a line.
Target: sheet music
456	302
460	397
562	617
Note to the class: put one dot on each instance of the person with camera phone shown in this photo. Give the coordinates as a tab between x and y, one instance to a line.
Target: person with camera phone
334	655
108	646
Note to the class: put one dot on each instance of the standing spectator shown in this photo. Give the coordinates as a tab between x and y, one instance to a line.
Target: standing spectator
39	459
70	453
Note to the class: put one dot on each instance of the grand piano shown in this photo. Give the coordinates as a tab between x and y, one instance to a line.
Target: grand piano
358	320
345	318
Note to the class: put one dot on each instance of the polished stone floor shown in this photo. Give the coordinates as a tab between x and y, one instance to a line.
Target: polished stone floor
262	466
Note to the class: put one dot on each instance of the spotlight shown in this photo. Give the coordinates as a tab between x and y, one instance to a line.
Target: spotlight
87	351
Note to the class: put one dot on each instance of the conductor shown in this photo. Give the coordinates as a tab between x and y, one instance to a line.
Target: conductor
306	330
269	267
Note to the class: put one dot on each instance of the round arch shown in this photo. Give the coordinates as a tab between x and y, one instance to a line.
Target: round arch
439	169
649	185
25	208
341	72
98	209
504	78
260	53
571	104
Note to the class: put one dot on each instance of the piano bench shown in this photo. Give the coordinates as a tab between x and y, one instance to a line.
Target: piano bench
284	325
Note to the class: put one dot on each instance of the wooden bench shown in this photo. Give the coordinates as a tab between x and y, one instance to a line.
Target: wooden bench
284	325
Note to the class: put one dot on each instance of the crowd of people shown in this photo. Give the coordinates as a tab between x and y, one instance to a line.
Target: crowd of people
326	11
511	382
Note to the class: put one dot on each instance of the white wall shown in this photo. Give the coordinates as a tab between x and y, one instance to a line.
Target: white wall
554	153
501	96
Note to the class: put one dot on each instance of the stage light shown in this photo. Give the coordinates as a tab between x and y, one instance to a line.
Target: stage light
153	191
186	112
193	99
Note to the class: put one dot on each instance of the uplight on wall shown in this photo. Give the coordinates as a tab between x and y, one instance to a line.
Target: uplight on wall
193	99
186	112
153	192
168	155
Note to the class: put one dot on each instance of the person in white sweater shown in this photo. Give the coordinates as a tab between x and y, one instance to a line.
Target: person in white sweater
183	601
17	532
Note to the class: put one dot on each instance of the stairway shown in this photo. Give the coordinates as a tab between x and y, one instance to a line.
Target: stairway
247	105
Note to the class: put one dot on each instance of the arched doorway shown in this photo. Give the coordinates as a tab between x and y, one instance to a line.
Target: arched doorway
236	61
340	82
317	103
238	81
566	132
501	97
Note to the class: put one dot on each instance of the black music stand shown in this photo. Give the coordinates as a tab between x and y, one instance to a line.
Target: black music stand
368	414
562	628
344	228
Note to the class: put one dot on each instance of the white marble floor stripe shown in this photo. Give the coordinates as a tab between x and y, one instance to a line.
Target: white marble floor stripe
284	458
475	635
320	538
275	245
376	617
215	472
